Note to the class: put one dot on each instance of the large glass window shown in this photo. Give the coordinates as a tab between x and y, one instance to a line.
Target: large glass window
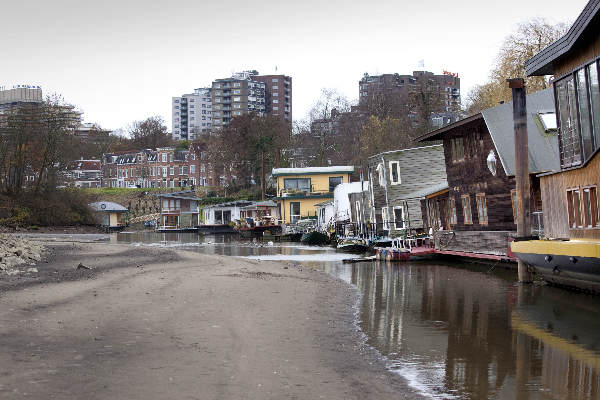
569	132
334	181
302	184
594	91
585	123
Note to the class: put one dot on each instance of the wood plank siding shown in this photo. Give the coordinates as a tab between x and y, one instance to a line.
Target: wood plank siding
419	168
470	176
554	196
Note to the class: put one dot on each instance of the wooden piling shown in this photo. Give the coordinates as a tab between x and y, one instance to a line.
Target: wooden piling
521	168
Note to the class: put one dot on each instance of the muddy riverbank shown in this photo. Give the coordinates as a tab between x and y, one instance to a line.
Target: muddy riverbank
156	323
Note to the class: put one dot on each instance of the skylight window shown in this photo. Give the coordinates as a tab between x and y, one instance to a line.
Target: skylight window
548	121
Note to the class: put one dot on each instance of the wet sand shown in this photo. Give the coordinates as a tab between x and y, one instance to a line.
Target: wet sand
153	323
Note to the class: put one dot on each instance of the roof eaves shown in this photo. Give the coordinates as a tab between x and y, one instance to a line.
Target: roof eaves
542	63
438	133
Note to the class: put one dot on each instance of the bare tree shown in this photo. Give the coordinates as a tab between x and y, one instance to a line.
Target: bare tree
150	133
529	39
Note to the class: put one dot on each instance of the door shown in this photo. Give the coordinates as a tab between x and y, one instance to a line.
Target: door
294	211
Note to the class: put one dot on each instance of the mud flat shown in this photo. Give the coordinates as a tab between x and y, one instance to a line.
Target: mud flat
155	323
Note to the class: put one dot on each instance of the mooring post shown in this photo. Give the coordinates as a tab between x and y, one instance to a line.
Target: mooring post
521	168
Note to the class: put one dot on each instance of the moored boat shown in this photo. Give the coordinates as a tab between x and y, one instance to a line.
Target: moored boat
573	263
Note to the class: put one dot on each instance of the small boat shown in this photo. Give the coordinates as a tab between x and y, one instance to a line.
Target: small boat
315	238
353	245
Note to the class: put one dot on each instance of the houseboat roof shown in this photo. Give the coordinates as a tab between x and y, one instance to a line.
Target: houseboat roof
231	204
107	206
340	169
324	203
186	194
543	143
543	146
420	194
585	28
266	203
403	150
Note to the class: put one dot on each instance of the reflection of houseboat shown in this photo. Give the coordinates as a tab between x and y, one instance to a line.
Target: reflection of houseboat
179	211
257	218
567	325
221	218
570	197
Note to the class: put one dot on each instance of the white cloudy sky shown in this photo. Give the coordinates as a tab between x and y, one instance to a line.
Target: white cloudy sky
122	60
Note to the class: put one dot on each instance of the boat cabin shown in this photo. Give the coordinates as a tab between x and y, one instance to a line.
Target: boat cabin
477	212
299	190
570	196
178	211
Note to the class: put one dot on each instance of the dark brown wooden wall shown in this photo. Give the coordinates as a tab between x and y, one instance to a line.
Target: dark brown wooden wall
471	176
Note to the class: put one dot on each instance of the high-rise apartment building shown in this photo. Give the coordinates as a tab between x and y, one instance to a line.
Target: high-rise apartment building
235	96
19	95
248	92
278	95
192	114
388	93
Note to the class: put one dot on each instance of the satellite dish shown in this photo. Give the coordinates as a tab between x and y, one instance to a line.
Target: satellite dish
103	206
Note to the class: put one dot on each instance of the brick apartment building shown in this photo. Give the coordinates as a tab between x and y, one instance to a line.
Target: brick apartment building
247	92
389	92
155	168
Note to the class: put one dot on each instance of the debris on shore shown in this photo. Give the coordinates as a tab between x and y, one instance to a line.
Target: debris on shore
16	251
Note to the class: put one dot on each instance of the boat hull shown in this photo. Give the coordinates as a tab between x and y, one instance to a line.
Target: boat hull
571	263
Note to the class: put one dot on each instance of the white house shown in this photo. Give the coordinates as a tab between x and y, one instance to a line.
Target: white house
224	213
325	216
341	200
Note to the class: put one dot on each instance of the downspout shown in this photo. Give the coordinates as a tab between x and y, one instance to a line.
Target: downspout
387	204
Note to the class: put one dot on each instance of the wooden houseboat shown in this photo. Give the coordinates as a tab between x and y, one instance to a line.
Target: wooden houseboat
259	217
394	177
571	254
475	215
179	211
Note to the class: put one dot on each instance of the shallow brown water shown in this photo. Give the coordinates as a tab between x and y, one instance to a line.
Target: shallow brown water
453	330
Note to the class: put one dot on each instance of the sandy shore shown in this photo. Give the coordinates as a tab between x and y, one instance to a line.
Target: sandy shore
151	323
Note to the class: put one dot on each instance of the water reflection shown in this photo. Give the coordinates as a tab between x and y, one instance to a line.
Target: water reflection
454	331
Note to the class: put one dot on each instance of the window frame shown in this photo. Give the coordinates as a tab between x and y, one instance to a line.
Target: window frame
398	181
482	213
452	210
467	210
403	213
385	218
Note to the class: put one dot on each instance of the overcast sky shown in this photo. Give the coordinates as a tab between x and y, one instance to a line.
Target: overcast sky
123	60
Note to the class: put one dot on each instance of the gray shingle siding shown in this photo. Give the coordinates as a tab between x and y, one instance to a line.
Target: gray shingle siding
420	168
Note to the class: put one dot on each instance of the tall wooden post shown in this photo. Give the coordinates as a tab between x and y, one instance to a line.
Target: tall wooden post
521	168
